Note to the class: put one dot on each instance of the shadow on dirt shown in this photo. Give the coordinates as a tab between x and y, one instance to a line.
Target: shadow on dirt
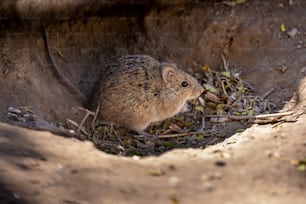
8	197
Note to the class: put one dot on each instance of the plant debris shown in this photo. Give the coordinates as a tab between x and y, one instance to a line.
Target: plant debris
300	164
228	105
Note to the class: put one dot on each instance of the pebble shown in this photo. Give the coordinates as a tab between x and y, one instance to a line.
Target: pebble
136	157
292	32
14	117
209	186
268	153
20	114
303	70
220	163
14	110
172	167
16	195
257	110
173	181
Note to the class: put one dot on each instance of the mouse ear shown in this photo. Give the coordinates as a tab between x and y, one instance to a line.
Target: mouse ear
167	73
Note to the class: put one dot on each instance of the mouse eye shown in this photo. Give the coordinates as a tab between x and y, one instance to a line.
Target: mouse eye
185	84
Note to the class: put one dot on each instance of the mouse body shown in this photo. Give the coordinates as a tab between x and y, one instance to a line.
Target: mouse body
134	91
137	90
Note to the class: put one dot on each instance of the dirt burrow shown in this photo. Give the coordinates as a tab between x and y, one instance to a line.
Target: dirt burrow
191	35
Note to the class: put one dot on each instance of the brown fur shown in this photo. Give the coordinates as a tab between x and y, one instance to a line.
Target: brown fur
136	90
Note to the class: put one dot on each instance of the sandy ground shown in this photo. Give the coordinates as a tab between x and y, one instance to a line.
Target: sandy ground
251	167
259	165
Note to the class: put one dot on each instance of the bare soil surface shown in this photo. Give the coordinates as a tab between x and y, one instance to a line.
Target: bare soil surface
264	40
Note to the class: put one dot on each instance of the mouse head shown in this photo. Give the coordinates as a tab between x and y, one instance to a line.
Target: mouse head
183	85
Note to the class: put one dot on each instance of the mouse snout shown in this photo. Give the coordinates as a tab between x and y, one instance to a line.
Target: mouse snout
198	90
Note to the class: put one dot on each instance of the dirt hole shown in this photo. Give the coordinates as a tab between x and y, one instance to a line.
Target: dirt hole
195	36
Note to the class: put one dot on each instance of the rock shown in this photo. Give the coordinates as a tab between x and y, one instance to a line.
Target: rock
173	181
220	163
292	32
14	110
303	70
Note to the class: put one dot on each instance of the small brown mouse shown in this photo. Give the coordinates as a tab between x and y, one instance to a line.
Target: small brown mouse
137	90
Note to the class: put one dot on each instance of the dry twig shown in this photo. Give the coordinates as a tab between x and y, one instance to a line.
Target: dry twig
247	117
88	113
180	134
265	95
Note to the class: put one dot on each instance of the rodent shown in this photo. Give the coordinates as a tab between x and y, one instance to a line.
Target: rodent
137	90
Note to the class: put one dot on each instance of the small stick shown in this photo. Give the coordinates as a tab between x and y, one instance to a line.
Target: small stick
224	91
203	126
95	116
250	86
88	113
263	116
180	134
58	74
59	53
265	95
55	130
76	125
266	120
225	63
265	104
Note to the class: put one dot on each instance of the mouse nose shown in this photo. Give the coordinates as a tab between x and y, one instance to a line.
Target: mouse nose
198	90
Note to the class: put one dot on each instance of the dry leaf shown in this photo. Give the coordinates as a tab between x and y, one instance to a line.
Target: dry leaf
212	97
202	102
225	74
206	68
282	27
175	128
240	1
210	88
199	108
